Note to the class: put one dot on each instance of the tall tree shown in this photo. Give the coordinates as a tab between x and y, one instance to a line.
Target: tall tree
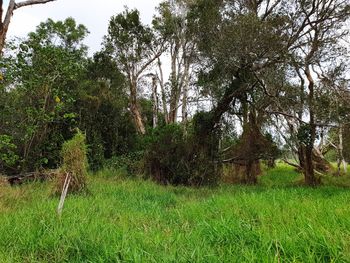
5	22
134	48
317	48
239	43
174	26
45	74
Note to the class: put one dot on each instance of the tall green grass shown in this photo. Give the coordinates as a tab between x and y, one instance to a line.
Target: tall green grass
125	220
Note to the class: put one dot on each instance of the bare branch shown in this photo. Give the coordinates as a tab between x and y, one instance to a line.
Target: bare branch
285	115
12	6
292	164
269	9
31	2
149	62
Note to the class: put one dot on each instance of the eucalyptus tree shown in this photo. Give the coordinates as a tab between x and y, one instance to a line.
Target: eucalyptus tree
174	25
5	22
134	48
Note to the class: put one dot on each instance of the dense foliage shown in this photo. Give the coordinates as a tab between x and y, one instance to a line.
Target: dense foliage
182	157
251	78
50	88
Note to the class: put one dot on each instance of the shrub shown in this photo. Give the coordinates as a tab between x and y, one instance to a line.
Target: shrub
131	163
8	157
95	152
180	158
74	156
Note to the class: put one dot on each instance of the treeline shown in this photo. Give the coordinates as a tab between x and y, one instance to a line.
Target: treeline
249	81
49	89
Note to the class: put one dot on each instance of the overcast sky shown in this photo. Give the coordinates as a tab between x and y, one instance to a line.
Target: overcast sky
93	14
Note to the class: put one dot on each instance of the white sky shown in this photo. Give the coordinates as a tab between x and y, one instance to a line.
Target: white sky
94	15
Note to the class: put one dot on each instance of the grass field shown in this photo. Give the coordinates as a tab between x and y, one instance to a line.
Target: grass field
125	220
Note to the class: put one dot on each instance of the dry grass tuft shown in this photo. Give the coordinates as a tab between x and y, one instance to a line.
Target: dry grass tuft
3	181
74	155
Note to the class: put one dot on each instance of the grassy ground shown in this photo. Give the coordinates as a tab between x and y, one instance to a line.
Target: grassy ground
135	221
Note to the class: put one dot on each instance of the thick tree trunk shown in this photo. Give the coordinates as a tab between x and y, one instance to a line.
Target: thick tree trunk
235	89
252	171
2	40
309	173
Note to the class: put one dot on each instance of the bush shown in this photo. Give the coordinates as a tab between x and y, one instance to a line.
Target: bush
131	163
95	152
74	155
179	158
8	157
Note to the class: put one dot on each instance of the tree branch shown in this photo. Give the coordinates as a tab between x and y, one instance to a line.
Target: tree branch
12	6
292	164
1	11
31	2
151	60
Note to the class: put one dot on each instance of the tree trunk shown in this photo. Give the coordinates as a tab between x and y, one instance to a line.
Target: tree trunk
4	25
174	95
185	90
162	89
340	155
235	89
252	170
155	102
309	172
135	109
2	39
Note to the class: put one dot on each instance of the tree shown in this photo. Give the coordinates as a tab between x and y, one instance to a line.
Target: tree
240	41
174	26
102	109
133	46
332	108
12	6
321	25
45	71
